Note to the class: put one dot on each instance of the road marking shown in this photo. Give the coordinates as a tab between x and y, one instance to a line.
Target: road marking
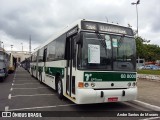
6	108
40	107
147	105
134	105
23	80
9	96
26	83
26	80
11	89
152	118
30	88
31	95
12	84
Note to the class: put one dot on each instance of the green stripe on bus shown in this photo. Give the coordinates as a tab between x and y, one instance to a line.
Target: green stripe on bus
53	70
108	76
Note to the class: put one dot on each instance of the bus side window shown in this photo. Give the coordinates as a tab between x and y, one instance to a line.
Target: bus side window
44	55
67	50
74	51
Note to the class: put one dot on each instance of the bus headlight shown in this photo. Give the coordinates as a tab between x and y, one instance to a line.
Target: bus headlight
134	84
93	84
129	84
86	84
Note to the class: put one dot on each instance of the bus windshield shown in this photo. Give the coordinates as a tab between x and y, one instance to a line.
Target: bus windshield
107	52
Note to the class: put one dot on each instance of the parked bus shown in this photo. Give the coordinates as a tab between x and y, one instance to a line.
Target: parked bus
12	63
26	64
4	64
89	62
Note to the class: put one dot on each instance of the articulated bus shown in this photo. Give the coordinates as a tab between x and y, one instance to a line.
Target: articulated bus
4	64
89	62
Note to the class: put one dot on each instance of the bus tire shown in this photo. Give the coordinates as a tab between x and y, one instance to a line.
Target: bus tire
2	79
59	88
40	79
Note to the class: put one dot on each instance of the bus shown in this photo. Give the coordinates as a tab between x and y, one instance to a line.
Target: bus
4	64
140	63
89	62
26	64
12	63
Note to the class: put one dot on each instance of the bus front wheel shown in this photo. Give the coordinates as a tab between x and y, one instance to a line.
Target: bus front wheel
60	89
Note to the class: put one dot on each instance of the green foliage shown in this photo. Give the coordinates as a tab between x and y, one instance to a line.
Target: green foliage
149	52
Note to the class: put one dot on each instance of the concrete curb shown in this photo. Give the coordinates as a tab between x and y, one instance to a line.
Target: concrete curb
147	105
149	77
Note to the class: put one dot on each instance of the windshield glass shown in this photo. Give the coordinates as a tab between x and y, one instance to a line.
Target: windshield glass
107	52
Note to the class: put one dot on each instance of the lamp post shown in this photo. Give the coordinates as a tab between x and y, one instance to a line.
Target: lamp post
22	46
136	3
11	47
1	43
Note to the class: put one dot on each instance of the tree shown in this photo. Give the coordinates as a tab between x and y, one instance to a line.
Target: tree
149	52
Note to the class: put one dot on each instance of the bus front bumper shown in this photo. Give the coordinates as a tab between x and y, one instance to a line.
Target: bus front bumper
86	96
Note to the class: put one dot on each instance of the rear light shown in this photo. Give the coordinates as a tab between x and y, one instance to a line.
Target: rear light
80	84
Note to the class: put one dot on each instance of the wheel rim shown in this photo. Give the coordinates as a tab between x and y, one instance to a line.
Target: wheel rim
59	87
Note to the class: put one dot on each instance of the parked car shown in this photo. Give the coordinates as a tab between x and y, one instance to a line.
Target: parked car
151	67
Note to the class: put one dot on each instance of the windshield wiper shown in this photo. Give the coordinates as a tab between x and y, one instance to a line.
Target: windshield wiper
99	36
102	41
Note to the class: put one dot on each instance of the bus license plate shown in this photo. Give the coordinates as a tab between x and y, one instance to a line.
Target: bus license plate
113	99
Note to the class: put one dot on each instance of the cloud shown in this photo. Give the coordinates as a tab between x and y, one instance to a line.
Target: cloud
42	18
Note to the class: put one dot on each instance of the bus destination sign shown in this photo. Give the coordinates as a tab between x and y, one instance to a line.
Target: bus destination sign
111	28
104	27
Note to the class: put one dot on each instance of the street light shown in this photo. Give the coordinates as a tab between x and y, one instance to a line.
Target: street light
22	46
1	43
133	3
11	47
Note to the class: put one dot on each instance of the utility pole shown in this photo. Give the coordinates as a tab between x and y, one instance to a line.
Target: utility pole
11	47
30	44
1	43
138	2
22	46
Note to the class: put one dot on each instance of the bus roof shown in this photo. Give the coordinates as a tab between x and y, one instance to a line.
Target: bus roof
69	27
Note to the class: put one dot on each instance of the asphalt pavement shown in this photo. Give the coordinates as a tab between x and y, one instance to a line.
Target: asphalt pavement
149	91
21	92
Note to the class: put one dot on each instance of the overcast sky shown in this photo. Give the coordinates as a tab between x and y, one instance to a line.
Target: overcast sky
43	18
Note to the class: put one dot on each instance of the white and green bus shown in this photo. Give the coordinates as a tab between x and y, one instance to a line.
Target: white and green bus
89	62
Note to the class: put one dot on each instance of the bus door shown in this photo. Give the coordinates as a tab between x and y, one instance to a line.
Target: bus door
70	68
44	60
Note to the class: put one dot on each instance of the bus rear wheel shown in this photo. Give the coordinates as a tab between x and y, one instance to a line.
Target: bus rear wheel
60	88
40	78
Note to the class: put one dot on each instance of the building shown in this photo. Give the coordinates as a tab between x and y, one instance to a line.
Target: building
20	55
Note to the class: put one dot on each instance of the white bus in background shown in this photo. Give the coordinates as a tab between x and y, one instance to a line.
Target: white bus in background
89	62
140	63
